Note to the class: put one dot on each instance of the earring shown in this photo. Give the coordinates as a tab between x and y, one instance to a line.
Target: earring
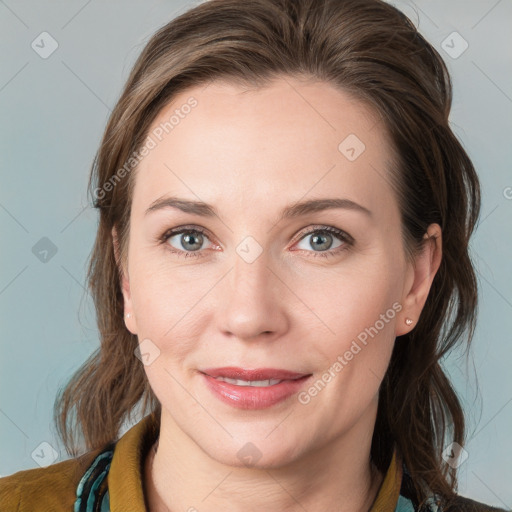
128	315
408	321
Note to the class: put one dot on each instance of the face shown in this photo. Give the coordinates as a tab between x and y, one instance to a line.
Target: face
319	292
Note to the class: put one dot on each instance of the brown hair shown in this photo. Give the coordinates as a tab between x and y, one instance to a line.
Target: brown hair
367	48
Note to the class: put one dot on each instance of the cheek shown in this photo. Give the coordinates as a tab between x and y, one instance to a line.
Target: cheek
353	361
351	296
168	307
174	300
355	310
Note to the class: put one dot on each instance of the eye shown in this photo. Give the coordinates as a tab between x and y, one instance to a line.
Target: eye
188	241
323	241
185	241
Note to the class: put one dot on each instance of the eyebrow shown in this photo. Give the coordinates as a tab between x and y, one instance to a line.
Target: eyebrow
292	211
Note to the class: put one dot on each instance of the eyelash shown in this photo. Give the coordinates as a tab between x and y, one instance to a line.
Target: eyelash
344	237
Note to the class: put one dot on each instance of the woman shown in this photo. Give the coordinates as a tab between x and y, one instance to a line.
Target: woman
281	263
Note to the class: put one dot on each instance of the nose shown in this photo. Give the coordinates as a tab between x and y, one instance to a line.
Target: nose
253	300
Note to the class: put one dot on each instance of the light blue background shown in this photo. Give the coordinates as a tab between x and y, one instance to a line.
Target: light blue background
53	112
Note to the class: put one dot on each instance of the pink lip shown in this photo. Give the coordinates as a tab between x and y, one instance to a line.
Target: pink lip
253	397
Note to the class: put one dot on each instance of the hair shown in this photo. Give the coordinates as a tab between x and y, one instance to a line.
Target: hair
372	51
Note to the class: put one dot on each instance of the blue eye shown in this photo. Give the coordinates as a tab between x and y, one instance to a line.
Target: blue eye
322	239
189	243
191	240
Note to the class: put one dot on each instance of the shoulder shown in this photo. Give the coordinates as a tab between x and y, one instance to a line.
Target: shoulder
51	488
437	503
462	504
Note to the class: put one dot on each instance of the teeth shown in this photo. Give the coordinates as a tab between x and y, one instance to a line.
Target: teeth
257	383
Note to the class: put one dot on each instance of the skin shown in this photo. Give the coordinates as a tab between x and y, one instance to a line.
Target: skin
250	153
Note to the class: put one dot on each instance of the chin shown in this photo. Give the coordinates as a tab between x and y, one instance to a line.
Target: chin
257	454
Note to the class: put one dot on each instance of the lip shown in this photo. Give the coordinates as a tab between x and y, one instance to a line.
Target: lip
253	397
233	372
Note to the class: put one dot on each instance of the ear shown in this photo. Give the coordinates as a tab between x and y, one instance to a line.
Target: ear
130	322
419	279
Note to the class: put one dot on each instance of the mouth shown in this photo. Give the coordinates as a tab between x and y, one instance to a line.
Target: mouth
252	377
253	388
256	383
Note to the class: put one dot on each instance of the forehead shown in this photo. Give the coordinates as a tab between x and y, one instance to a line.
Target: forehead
221	141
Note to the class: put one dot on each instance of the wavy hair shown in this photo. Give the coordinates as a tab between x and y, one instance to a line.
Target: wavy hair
366	48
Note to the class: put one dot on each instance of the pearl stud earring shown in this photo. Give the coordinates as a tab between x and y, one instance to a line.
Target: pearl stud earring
128	315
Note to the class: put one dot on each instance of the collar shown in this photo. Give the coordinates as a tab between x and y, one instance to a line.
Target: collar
126	473
113	482
389	491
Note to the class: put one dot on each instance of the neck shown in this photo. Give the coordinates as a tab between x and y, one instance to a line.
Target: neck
179	475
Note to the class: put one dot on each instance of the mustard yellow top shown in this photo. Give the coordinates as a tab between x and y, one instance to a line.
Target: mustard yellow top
55	487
